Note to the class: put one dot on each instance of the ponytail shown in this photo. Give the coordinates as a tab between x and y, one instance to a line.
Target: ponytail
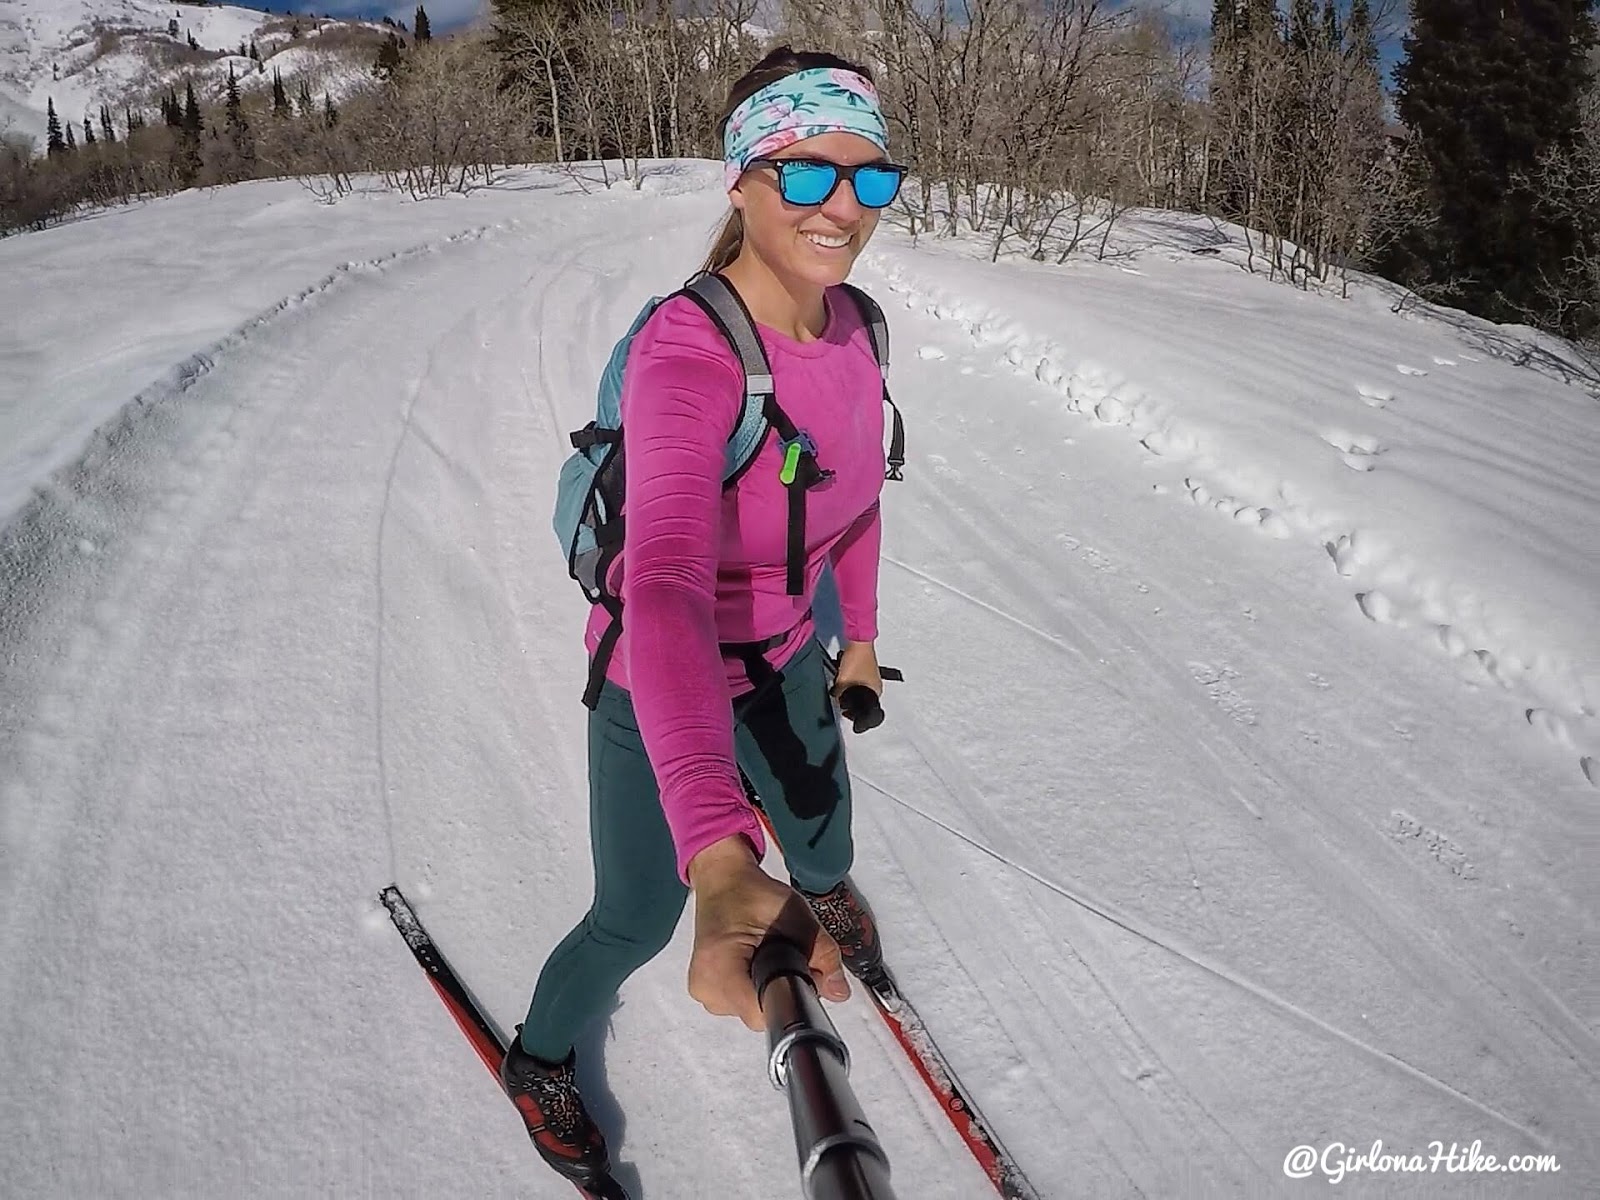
730	240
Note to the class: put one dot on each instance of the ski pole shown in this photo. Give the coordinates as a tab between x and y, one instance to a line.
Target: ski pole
840	1156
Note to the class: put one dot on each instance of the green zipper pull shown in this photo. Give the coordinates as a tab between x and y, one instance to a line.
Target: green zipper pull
791	464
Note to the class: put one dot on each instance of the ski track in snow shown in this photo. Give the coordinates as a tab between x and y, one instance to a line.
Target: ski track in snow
967	510
294	627
1281	782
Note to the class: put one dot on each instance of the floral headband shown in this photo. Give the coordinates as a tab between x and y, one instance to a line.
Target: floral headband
801	105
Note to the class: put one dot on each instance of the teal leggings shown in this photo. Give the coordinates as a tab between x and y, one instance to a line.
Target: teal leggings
787	741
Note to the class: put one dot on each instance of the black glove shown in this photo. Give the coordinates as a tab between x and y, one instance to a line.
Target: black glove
860	705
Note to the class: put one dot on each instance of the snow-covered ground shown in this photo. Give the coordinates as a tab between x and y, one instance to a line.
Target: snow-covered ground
85	53
1241	796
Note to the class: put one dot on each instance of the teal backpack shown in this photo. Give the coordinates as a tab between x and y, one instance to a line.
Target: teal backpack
588	519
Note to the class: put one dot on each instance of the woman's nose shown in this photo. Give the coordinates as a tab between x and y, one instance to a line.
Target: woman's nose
842	208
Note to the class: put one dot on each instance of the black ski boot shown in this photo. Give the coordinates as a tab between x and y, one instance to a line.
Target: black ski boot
546	1094
843	912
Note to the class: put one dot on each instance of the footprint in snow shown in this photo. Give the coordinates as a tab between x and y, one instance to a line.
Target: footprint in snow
1358	451
1484	666
931	352
1264	519
1376	606
1550	724
1405	370
1375	397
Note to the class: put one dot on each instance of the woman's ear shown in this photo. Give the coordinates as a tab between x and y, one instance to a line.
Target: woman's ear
736	197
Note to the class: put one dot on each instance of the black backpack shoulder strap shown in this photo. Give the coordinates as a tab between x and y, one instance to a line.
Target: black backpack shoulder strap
878	333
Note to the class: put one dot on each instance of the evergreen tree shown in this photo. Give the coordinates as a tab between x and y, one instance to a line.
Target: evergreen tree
330	114
1226	31
107	130
193	45
1259	17
1224	28
88	132
388	61
55	143
573	58
424	31
191	111
172	27
255	54
190	161
1303	30
72	142
1488	90
244	146
280	98
1363	45
303	99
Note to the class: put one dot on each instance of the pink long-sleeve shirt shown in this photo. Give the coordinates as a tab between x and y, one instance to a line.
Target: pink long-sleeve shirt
705	566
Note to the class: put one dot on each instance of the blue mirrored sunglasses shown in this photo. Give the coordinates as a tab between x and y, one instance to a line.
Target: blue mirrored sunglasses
810	181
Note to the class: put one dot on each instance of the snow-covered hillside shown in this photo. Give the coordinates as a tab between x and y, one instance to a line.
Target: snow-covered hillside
85	53
1241	794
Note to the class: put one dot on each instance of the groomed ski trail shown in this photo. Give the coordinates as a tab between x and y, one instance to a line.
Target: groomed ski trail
302	630
244	622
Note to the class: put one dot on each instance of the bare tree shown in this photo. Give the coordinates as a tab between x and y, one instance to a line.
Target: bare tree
444	121
532	44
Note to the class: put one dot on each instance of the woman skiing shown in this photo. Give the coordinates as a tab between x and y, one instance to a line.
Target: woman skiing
718	668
